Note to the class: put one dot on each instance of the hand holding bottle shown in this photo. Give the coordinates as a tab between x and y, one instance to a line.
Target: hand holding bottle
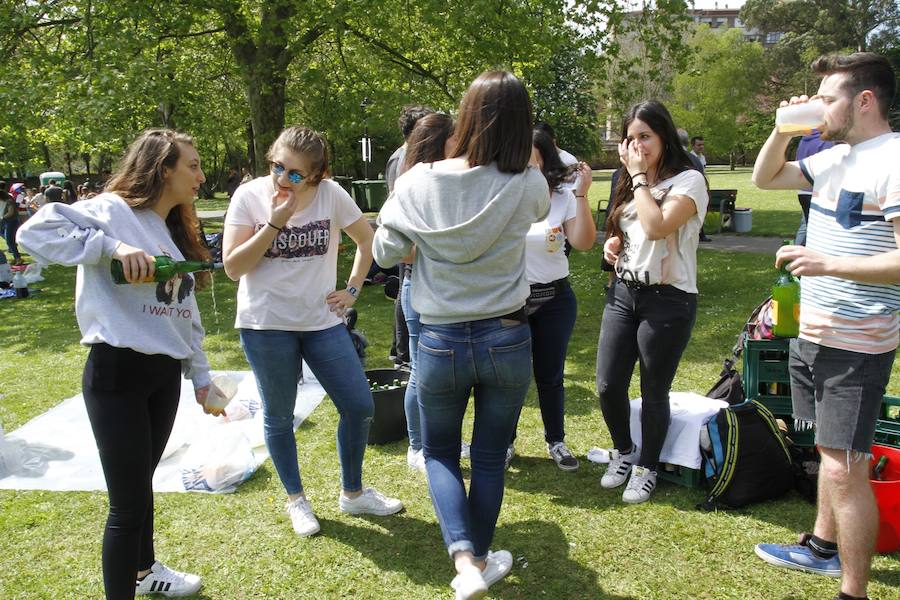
803	261
203	393
137	265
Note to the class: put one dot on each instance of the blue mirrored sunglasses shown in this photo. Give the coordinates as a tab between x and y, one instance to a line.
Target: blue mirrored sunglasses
293	176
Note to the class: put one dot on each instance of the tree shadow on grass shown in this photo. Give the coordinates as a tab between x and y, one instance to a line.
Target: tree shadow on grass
414	547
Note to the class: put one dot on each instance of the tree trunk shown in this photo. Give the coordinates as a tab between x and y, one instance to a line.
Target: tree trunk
251	153
87	166
266	96
46	151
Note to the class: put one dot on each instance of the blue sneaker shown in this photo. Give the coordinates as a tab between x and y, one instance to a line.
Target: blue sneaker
794	556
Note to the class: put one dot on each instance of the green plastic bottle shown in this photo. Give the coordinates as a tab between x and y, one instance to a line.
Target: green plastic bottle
786	303
166	269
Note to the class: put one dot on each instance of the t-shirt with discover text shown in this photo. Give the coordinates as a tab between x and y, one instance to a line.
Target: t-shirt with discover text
287	289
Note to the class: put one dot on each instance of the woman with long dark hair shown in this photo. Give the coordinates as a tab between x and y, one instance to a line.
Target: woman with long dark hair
427	143
660	203
551	305
139	346
467	217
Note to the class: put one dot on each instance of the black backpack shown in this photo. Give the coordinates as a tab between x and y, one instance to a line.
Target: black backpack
746	459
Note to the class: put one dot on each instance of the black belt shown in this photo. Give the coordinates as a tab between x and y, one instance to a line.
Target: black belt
632	284
540	290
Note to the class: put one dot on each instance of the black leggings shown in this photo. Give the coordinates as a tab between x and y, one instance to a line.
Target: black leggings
131	401
652	323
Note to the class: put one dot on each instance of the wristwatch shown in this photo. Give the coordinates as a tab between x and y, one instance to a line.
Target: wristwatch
353	291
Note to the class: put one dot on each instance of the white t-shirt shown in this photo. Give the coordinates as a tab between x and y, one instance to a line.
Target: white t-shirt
286	291
673	260
545	244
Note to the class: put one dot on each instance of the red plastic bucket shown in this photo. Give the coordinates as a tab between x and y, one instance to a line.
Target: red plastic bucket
887	495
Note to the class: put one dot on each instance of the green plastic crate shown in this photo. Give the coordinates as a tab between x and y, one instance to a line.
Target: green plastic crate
887	429
692	478
766	368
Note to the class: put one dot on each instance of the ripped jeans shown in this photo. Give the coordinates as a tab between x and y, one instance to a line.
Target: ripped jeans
275	358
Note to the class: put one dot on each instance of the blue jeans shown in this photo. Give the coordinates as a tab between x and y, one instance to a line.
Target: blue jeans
493	358
275	359
410	400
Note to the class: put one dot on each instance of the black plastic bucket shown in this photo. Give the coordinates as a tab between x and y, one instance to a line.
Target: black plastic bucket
389	423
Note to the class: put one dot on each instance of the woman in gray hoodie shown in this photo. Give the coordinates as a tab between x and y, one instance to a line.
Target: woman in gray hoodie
468	217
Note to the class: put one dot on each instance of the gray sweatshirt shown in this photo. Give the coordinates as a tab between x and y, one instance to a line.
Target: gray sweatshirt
154	318
469	230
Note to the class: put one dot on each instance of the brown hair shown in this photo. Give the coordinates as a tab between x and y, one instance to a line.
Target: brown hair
673	159
864	71
495	123
427	140
140	181
304	141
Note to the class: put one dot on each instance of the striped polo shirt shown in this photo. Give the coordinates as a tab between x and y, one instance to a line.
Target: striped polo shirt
856	194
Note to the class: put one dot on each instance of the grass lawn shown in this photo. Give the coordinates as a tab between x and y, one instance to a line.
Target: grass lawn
571	539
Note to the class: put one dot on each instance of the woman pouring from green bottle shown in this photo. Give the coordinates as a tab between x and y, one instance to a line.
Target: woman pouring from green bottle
140	344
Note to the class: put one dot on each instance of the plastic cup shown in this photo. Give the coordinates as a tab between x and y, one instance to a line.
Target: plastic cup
222	391
800	118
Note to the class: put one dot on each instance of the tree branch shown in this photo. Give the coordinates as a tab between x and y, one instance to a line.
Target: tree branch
189	35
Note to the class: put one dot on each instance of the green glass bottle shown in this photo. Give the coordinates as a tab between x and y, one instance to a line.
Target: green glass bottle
166	268
786	303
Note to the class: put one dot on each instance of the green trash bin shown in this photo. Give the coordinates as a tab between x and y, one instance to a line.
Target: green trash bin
345	182
370	194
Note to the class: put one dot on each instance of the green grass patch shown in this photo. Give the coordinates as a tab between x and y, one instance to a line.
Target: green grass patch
571	539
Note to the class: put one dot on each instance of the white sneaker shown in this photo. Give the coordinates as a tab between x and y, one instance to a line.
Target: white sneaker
370	502
302	517
618	469
510	453
640	486
415	459
465	450
169	583
470	584
562	456
497	566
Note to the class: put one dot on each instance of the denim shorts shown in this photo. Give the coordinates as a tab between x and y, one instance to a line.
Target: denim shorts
839	391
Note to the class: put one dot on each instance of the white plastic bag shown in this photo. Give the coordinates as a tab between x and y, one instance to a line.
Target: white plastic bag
18	457
219	462
33	273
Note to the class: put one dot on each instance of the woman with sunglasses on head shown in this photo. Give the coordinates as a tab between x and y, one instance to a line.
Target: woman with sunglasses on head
427	143
551	306
651	306
139	345
281	241
467	217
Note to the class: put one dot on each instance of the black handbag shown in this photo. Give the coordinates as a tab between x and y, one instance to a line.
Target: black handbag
730	386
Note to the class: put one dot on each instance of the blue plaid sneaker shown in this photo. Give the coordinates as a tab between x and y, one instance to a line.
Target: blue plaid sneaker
801	558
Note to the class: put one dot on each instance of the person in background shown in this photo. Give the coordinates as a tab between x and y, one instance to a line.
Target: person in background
53	193
698	160
841	362
232	182
9	224
69	195
430	141
471	298
809	145
39	199
281	242
698	145
551	305
651	306
138	350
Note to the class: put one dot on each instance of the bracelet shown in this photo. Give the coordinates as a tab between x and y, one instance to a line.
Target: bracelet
636	174
640	184
353	290
269	223
580	196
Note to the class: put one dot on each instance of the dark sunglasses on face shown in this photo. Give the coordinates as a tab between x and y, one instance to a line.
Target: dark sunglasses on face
293	176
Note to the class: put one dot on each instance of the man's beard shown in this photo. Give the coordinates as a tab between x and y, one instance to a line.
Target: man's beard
840	135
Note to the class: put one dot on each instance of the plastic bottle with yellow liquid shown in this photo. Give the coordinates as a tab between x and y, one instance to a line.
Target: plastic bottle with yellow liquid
786	303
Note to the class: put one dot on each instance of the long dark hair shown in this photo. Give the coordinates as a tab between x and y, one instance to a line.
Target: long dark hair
555	172
495	123
673	160
140	181
427	141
